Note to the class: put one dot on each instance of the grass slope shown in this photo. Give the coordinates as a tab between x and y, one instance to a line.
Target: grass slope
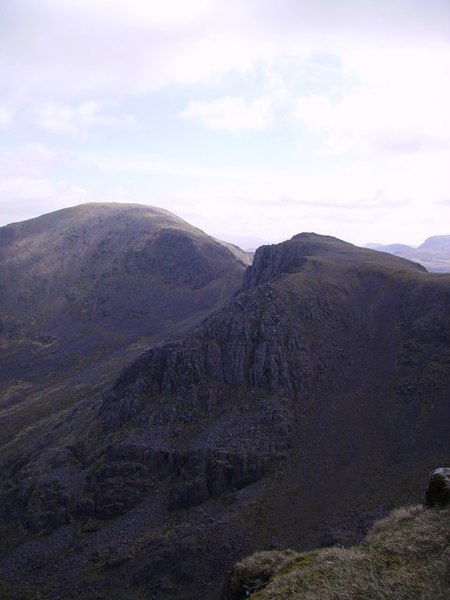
405	556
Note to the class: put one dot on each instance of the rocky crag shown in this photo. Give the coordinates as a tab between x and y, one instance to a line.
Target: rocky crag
328	376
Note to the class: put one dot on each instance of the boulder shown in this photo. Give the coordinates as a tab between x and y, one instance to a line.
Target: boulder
438	491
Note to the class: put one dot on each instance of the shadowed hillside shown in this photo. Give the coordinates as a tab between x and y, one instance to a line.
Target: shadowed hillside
289	418
84	290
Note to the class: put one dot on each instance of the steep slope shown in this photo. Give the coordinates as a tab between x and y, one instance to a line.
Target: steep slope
327	376
84	290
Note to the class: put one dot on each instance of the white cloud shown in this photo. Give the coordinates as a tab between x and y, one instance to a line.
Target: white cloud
62	49
367	81
389	111
27	197
144	164
403	179
28	186
231	113
31	160
350	205
78	119
169	12
6	117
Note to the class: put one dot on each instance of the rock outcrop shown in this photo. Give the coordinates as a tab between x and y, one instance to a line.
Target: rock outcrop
438	490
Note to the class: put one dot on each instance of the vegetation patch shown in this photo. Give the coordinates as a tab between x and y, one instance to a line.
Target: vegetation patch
405	556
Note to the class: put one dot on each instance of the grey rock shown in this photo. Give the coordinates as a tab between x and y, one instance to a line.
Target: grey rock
438	490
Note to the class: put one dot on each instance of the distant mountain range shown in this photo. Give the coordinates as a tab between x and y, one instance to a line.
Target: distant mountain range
166	409
434	253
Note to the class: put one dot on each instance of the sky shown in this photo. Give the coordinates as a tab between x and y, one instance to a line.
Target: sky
253	120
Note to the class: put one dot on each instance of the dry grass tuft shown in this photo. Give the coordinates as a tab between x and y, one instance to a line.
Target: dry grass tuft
254	571
406	556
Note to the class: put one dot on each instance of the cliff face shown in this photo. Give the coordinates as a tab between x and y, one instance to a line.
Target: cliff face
327	376
308	320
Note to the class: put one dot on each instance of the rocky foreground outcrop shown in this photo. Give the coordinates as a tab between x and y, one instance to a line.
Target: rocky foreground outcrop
438	490
328	375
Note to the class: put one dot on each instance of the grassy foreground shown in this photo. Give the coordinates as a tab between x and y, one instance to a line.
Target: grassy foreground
405	556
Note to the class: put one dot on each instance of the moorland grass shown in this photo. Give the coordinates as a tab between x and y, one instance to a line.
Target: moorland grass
406	556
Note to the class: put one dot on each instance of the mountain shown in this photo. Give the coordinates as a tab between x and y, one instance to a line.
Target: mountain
434	253
437	242
391	248
291	417
84	290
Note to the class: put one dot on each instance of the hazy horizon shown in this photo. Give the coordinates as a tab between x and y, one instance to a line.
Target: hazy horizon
248	242
249	120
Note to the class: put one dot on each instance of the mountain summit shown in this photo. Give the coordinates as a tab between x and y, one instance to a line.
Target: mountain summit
84	289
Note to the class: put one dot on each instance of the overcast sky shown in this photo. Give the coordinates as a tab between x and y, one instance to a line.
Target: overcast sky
247	118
